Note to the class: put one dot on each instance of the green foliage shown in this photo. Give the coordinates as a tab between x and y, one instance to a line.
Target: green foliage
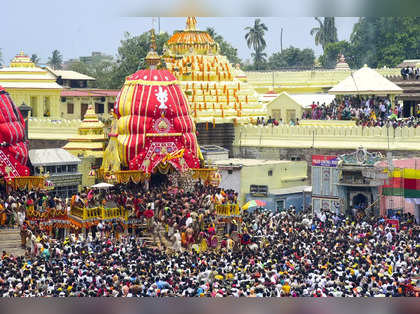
255	40
292	57
35	59
386	41
56	60
226	49
333	50
102	71
326	32
132	54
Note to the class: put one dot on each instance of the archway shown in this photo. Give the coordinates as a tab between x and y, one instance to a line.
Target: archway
360	201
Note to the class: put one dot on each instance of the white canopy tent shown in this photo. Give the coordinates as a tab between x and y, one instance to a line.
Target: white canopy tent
102	185
366	81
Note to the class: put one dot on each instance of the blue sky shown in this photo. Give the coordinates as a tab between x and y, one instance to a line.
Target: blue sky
76	28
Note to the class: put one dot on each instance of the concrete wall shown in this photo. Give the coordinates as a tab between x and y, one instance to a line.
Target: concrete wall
284	175
298	82
38	99
344	137
52	129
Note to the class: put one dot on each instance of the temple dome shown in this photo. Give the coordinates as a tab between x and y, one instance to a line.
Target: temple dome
191	40
22	61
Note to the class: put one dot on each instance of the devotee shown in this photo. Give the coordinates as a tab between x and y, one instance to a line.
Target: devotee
271	254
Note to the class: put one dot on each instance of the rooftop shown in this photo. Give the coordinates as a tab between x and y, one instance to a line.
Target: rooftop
248	162
89	93
292	190
70	75
52	157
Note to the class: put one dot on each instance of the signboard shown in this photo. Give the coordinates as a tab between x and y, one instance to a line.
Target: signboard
258	190
324	160
374	174
393	223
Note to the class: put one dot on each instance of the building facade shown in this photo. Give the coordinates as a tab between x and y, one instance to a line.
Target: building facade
32	85
265	180
62	168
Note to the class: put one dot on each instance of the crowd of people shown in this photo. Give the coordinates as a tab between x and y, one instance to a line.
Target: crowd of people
410	73
369	112
263	254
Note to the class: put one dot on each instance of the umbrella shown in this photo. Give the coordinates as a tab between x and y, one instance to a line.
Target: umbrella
254	203
102	185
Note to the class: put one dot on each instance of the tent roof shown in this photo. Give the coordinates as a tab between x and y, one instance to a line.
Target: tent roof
52	157
306	100
365	81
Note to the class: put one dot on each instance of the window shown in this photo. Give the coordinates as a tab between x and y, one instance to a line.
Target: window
230	171
258	190
70	108
280	205
110	106
72	168
99	108
270	173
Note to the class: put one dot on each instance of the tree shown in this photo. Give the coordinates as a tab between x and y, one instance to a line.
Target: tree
326	32
35	59
226	49
131	55
255	40
56	60
385	41
292	58
333	50
102	71
260	62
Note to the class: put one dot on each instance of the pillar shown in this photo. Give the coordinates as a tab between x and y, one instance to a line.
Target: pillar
39	111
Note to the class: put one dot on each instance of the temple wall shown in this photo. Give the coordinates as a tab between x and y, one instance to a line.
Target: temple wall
301	142
50	129
325	137
310	81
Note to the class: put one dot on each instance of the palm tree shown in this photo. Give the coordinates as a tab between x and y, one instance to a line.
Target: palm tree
326	32
56	60
35	59
259	59
255	40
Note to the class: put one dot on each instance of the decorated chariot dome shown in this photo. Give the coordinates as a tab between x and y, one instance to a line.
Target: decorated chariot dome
13	145
153	128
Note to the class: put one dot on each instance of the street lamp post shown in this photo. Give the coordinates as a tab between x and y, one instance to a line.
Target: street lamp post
24	110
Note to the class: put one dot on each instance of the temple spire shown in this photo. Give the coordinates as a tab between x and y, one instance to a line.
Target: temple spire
191	23
152	58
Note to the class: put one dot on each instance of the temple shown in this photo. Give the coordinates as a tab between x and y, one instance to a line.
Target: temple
216	91
36	87
88	145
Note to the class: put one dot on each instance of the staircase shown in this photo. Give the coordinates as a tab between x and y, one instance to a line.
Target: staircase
10	242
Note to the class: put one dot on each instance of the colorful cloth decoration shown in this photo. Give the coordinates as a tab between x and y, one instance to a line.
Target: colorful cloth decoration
154	124
13	146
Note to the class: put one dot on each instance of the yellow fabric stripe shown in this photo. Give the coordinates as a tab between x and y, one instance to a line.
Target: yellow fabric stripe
122	100
411	174
145	116
128	100
151	83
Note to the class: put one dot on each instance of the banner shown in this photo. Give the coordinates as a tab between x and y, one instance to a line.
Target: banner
393	223
324	160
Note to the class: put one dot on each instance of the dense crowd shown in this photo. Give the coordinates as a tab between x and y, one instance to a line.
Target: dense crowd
372	111
266	254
